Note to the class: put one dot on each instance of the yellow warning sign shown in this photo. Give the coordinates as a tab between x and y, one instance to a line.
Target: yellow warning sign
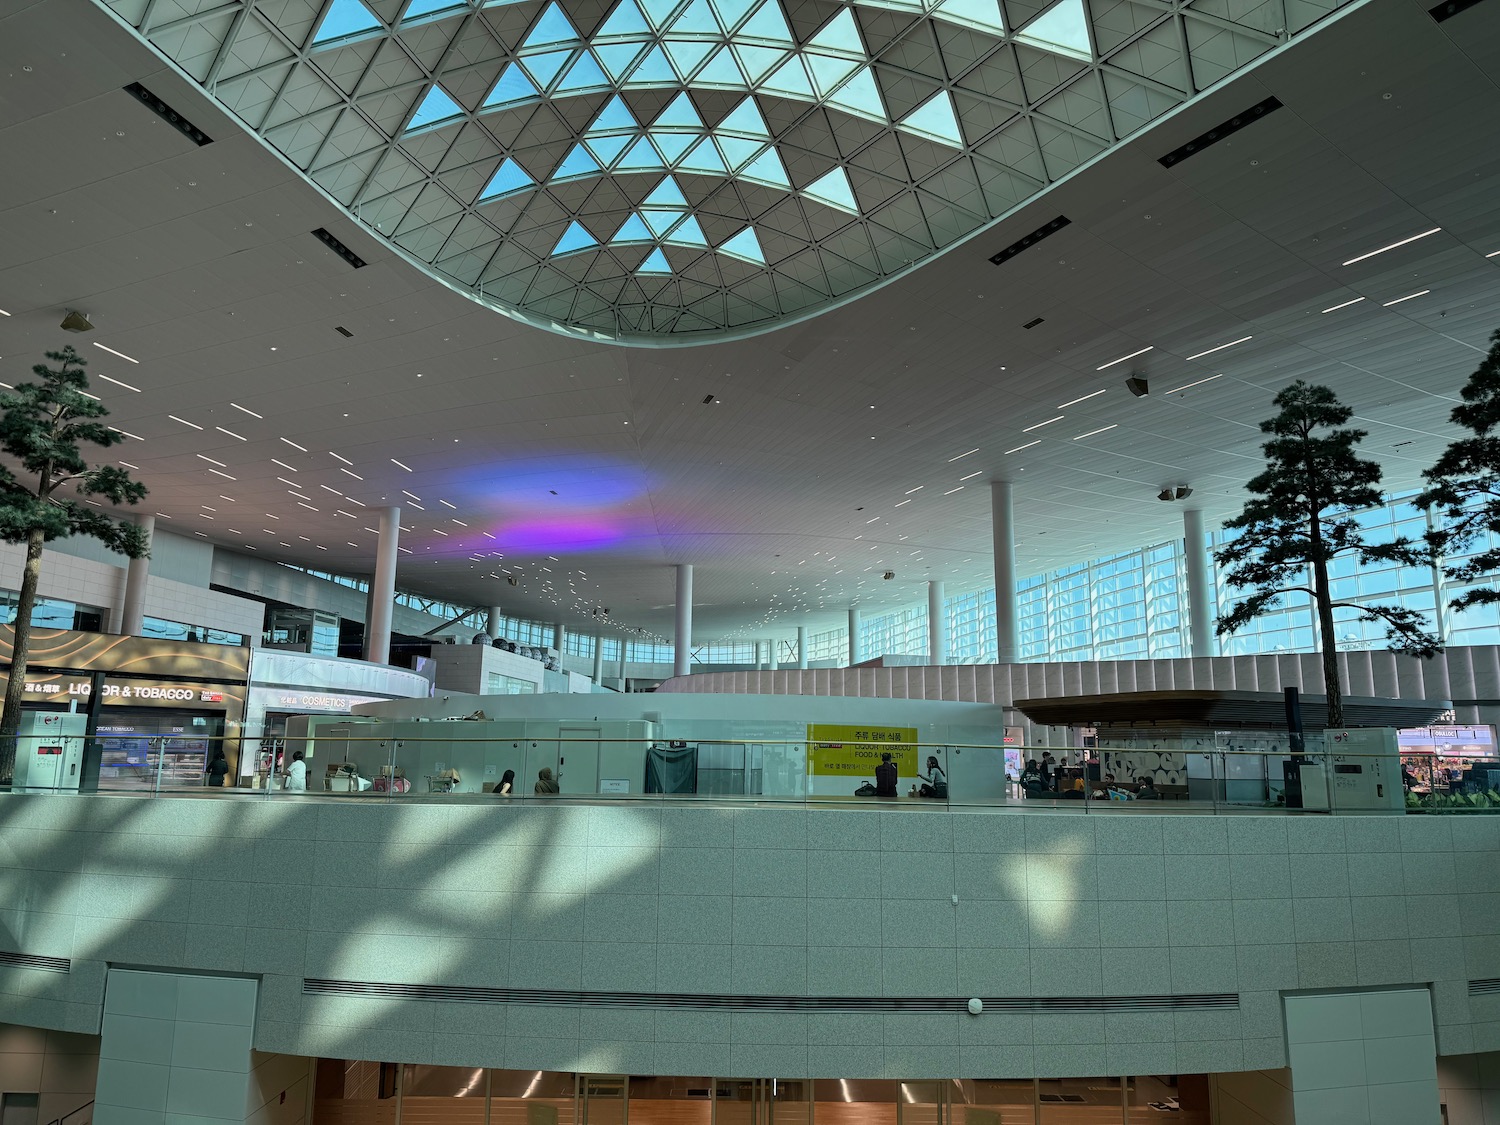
854	751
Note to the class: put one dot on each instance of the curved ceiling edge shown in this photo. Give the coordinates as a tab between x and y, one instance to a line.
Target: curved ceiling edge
676	172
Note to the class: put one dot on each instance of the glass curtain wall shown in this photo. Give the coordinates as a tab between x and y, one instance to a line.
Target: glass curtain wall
358	1093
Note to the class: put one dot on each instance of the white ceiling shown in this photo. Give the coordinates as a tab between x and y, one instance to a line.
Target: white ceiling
198	263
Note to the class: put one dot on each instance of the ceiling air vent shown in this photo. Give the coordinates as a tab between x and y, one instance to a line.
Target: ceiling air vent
567	998
1488	986
1219	132
1450	9
1033	322
354	260
341	330
1031	239
32	961
168	114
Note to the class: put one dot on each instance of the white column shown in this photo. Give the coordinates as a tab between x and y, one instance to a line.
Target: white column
1003	528
937	625
133	609
682	642
622	663
598	659
383	589
856	652
559	637
801	646
1439	594
492	622
771	661
1200	613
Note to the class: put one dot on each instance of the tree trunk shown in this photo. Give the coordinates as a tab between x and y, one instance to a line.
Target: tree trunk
1328	644
15	690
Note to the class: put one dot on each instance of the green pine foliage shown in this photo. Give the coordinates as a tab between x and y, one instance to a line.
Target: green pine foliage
1464	485
1300	517
46	484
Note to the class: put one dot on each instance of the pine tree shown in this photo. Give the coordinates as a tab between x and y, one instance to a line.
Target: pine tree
41	427
1464	485
1300	517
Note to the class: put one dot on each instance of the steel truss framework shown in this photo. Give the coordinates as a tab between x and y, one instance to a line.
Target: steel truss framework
672	170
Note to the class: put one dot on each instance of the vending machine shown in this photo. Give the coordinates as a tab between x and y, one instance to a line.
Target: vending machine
1364	769
49	751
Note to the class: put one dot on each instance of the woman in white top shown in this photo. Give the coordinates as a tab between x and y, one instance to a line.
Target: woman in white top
296	775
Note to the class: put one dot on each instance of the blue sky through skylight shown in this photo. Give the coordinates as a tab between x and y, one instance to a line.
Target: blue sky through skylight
833	189
656	262
1063	28
436	107
344	18
744	246
509	177
573	239
935	120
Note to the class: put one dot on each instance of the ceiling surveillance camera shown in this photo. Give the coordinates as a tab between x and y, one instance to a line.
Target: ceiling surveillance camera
76	322
1183	492
1137	386
888	575
512	580
1165	494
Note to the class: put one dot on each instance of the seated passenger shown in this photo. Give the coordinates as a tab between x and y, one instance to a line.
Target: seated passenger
885	776
546	784
1146	790
934	781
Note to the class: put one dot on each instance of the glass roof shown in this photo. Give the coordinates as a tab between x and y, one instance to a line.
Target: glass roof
672	170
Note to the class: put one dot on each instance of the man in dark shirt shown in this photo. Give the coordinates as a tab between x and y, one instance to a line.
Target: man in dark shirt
885	776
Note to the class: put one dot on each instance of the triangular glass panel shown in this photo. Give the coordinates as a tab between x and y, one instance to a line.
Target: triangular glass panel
935	120
436	107
688	53
738	152
767	169
704	158
860	96
574	238
659	11
840	35
745	119
614	117
672	145
618	58
1062	28
730	12
428	7
790	79
576	163
981	14
513	86
687	233
757	62
666	194
654	70
553	28
633	230
656	262
696	19
660	221
680	113
509	177
543	68
722	70
605	149
833	189
624	20
642	157
744	246
583	75
769	24
828	71
344	18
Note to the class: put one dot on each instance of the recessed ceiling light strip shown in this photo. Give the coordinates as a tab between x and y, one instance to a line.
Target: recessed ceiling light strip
294	445
284	465
951	491
971	476
1123	358
1345	305
399	465
184	421
336	457
1018	448
112	351
1197	383
1085	398
127	433
246	410
117	382
1091	433
1392	246
961	456
231	433
1408	297
1039	425
1221	347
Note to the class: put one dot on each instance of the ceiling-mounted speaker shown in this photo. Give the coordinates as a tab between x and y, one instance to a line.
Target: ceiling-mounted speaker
1183	492
1137	386
76	322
